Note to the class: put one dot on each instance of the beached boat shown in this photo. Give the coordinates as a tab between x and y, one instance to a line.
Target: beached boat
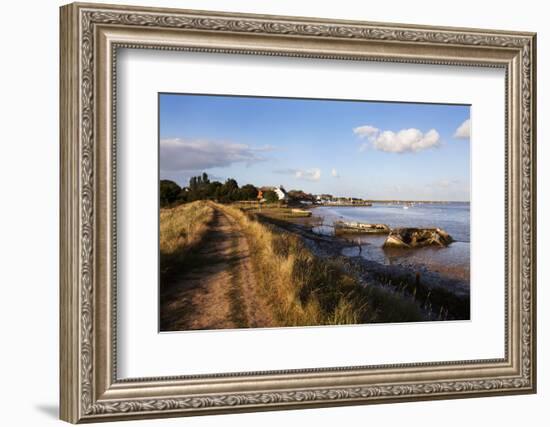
412	237
300	212
360	227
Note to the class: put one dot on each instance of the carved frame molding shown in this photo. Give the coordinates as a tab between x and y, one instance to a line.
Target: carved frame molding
90	37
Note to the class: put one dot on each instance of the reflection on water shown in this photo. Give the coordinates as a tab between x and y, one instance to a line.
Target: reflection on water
453	260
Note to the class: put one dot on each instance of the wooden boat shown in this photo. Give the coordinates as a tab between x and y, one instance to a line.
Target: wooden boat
300	212
360	227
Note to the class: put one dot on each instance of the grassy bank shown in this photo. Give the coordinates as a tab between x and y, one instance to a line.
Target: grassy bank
303	289
181	229
438	302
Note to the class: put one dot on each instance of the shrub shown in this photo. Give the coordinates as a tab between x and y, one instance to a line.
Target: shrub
169	192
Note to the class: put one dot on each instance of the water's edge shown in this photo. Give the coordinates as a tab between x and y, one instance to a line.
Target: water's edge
452	261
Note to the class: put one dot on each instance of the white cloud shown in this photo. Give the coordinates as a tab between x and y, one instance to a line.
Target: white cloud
313	174
188	154
366	131
405	140
334	173
463	131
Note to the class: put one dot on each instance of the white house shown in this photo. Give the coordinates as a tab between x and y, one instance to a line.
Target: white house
281	193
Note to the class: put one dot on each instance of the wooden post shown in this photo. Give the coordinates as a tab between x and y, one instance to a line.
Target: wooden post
260	197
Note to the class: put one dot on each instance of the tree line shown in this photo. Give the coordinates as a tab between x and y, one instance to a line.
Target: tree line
201	188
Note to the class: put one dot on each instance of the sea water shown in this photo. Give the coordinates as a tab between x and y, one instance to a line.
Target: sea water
453	217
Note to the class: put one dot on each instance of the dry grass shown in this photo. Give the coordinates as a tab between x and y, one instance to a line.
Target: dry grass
273	210
303	289
181	228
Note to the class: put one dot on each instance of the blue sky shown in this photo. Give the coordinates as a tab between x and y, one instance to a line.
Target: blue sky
375	150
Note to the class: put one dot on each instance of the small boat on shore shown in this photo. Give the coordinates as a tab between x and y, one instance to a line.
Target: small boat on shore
360	227
300	212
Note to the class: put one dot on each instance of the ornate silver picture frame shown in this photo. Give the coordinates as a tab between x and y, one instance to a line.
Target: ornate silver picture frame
91	34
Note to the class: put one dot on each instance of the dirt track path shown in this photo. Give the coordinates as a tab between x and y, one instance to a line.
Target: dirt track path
221	293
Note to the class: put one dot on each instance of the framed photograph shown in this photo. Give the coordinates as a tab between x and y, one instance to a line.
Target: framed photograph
266	212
